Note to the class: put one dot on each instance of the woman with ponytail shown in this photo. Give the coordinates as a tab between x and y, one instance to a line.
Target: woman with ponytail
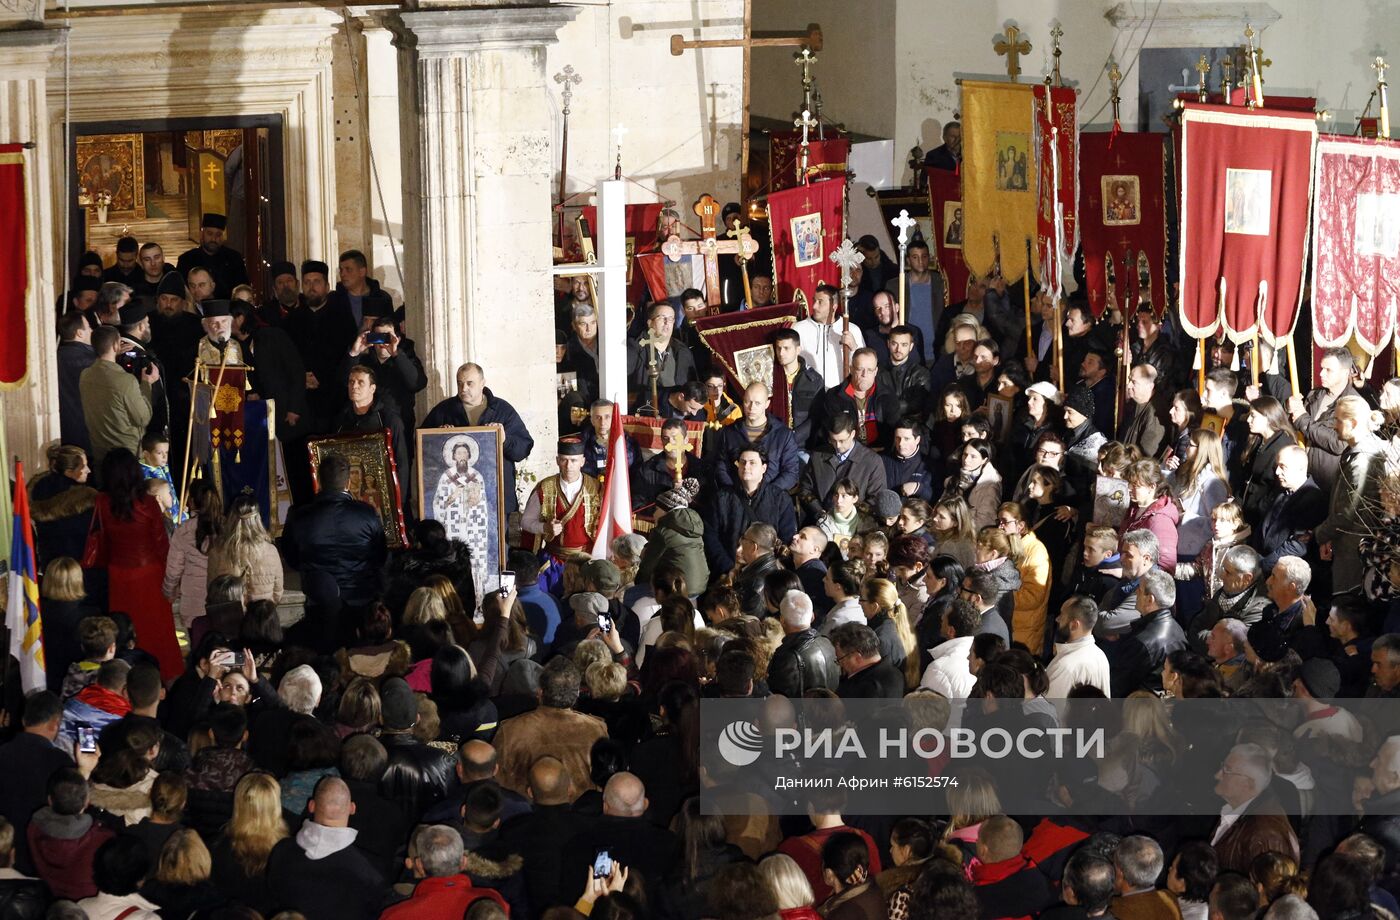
1354	511
886	614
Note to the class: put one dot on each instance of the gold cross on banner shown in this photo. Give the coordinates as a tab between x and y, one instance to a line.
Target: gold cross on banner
707	209
211	171
1013	46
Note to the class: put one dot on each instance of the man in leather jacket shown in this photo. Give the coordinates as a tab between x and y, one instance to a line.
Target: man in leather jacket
754	560
337	536
804	660
418	776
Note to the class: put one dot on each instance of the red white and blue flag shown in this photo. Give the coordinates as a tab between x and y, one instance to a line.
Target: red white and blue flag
22	611
615	517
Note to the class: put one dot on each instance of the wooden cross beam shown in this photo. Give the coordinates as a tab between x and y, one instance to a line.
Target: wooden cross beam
811	39
707	209
1013	46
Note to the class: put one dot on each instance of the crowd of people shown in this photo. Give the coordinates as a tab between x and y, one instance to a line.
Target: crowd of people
936	504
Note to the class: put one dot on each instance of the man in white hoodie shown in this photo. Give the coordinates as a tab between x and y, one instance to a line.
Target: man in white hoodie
1078	660
950	672
320	873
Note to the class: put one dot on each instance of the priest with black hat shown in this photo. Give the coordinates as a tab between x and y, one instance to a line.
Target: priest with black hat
90	265
218	346
286	294
134	355
175	335
224	264
322	332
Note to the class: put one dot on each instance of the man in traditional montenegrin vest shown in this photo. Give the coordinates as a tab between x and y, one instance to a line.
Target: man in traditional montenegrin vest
562	513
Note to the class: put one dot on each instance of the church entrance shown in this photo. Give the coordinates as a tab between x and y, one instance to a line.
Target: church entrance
154	180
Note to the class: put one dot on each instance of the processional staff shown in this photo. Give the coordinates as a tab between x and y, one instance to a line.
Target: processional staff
903	222
847	257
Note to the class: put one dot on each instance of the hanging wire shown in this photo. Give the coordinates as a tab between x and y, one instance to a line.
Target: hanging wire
363	105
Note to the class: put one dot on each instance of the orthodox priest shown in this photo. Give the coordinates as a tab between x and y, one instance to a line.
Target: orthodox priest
225	265
562	513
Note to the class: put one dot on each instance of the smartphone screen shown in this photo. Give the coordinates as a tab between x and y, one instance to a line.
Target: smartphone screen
605	623
602	864
507	582
87	739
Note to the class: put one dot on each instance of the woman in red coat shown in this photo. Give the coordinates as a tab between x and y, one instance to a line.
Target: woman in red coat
132	544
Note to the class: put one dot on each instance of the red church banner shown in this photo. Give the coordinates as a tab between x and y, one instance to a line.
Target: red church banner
1356	253
1122	219
740	342
14	269
640	228
1245	201
946	211
826	159
807	227
1055	125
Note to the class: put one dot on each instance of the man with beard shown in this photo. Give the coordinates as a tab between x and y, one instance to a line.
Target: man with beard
154	268
134	356
175	335
322	334
277	375
218	347
128	269
286	294
224	265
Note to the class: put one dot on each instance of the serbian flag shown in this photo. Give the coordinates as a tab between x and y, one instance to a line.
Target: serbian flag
22	610
808	224
1122	220
615	517
1000	178
1246	195
1356	256
1057	153
14	268
946	211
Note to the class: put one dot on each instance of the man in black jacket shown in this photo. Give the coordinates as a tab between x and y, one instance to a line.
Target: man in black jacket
754	559
26	762
864	674
874	410
804	660
1136	658
321	873
418	776
536	835
397	370
475	404
749	501
225	265
841	458
1295	508
803	386
75	355
760	428
337	536
903	376
322	333
625	832
368	411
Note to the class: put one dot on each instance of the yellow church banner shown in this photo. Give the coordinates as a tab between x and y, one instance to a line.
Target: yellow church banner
998	176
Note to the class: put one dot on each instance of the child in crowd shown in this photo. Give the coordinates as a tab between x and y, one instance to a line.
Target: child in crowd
155	465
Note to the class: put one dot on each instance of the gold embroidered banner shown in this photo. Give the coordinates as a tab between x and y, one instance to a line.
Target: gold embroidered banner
999	176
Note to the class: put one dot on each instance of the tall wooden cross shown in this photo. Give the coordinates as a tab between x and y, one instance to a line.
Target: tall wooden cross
707	209
1013	46
811	39
903	222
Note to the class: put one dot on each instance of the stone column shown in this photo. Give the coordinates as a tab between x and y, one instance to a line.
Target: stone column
31	409
477	203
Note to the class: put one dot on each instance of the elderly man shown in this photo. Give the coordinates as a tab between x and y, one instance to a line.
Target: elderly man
842	458
1251	821
1139	861
804	660
948	154
1078	660
823	340
1295	507
1313	416
475	404
553	728
1138	654
949	670
562	512
321	873
581	349
116	407
1140	425
1225	647
443	889
761	429
956	358
224	264
876	411
1138	552
754	559
1287	587
1379	798
865	675
1241	595
1385	668
217	346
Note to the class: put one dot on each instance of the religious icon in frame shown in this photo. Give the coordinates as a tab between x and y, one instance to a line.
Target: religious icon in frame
952	224
1013	161
460	485
1122	201
374	476
1248	201
754	365
1212	422
999	414
807	239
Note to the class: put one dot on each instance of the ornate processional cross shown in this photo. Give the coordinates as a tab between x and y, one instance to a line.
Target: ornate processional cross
707	209
903	222
1013	46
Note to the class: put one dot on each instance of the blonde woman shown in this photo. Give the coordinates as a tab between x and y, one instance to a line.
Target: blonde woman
1200	483
63	608
886	614
971	802
1355	509
466	624
181	885
1032	599
424	605
1146	717
953	533
240	854
244	548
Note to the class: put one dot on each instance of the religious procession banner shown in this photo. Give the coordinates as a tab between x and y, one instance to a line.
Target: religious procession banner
826	159
1246	195
945	209
1057	150
741	343
640	223
1356	257
1123	220
808	224
999	177
14	269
